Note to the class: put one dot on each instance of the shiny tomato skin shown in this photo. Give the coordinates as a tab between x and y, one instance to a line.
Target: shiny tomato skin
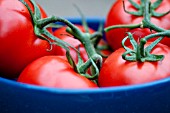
54	71
18	44
118	72
63	35
117	16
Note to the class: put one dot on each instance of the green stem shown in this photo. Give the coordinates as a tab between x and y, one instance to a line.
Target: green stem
84	38
40	29
165	33
146	21
53	19
130	26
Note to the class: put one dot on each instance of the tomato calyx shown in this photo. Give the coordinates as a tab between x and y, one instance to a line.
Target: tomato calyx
139	52
140	8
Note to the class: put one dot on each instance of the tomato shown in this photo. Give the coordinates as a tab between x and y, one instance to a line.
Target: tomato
54	71
117	16
117	71
62	34
18	44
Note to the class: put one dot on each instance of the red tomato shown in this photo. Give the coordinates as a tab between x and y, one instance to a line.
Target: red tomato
117	71
54	71
117	16
62	34
18	44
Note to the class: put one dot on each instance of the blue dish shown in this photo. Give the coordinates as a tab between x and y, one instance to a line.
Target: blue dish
150	97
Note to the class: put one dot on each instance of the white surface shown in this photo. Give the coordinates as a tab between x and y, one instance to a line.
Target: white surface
65	8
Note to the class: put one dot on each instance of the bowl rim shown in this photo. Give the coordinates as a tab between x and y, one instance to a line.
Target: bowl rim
113	89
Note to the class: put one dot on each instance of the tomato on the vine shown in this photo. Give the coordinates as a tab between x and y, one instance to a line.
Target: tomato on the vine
18	43
117	16
117	72
54	71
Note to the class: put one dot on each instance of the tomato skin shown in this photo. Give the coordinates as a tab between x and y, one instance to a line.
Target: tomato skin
117	72
18	44
54	71
116	16
63	35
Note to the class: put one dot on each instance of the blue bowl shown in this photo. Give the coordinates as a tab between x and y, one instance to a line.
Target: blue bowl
153	97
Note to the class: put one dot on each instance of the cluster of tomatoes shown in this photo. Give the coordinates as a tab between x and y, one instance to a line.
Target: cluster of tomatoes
33	59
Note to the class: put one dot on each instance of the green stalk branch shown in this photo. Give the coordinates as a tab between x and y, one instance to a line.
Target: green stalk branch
130	26
40	29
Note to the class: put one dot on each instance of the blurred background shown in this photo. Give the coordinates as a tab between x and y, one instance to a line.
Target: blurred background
65	8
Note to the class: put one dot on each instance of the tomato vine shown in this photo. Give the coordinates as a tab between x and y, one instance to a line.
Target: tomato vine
40	25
